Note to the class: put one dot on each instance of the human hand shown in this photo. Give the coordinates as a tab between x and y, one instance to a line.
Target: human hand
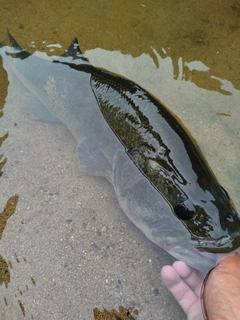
185	285
222	289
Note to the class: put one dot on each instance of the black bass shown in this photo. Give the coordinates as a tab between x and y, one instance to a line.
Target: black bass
161	179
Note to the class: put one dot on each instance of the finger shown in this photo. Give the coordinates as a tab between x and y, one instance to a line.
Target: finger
190	276
183	294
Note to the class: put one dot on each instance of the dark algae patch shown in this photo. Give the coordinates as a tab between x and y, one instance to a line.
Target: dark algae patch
123	314
4	272
8	212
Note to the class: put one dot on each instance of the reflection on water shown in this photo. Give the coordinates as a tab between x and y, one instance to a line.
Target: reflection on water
68	248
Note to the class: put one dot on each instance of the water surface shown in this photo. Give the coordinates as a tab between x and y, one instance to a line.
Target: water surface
66	247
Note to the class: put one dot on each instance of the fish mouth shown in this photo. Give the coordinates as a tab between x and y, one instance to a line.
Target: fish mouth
223	244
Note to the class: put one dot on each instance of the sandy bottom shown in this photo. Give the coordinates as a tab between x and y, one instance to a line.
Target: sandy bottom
68	247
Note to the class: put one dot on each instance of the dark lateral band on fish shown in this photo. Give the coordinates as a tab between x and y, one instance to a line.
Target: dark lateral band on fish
173	197
142	152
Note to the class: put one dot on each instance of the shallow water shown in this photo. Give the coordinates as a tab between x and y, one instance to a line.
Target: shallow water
68	248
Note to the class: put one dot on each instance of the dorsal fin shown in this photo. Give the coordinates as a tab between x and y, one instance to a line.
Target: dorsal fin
74	51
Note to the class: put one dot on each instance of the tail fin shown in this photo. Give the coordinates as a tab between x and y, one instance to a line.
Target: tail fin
15	48
13	42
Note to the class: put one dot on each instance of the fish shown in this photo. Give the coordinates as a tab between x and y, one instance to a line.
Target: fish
161	179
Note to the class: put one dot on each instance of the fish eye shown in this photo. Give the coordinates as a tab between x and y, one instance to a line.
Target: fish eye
184	209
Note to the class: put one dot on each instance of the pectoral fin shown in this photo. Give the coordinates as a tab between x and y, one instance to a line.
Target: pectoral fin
92	161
